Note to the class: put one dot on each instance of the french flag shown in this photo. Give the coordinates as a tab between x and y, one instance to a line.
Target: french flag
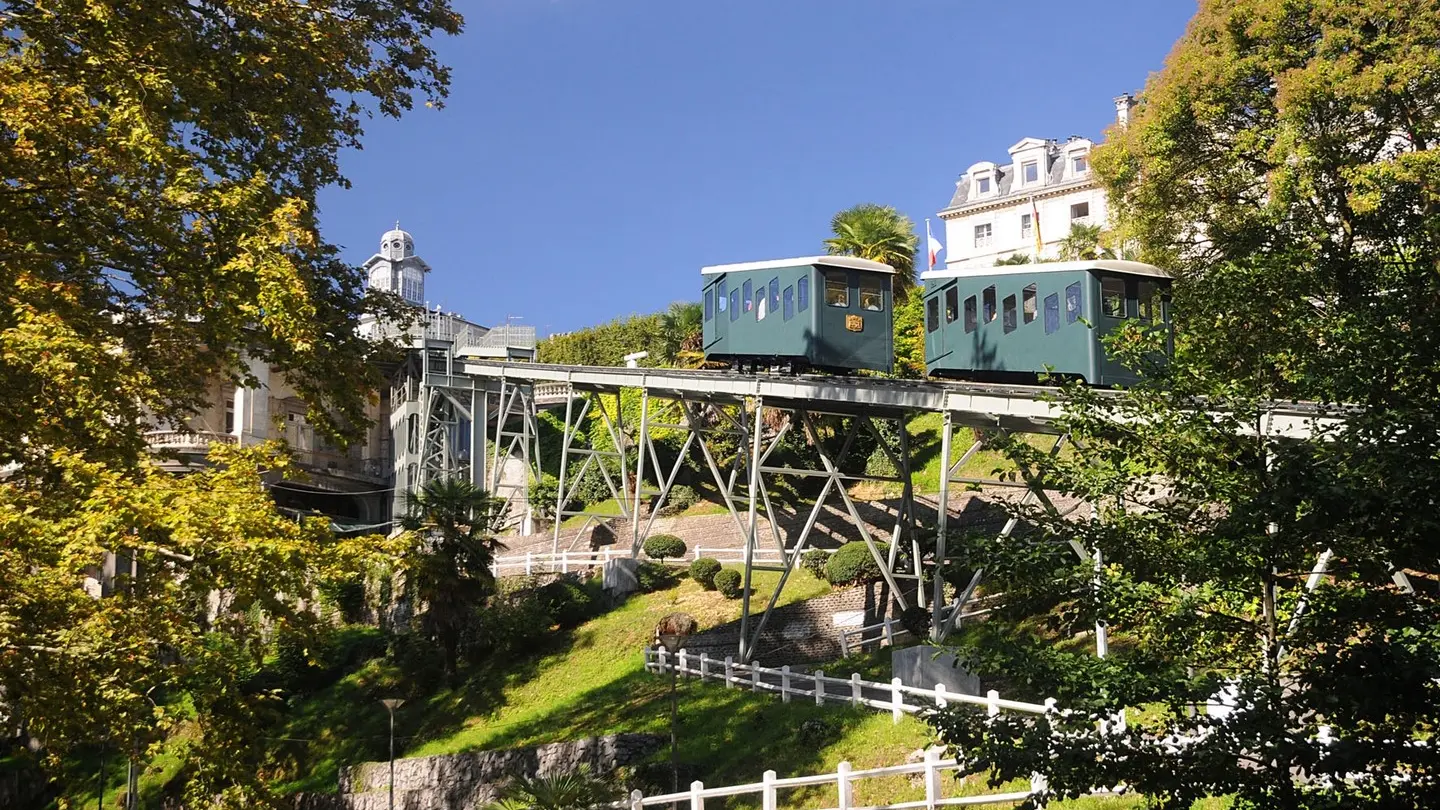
934	245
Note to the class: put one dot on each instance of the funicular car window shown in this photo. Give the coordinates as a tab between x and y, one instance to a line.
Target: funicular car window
735	304
774	294
872	297
1072	303
932	314
709	304
970	316
1149	293
1027	303
802	292
1052	313
760	304
720	295
1009	314
1112	296
952	304
989	296
789	299
747	293
837	290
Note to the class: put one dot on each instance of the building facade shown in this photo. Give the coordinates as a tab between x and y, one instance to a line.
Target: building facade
358	487
1042	190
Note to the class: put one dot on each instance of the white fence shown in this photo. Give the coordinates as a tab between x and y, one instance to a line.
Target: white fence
855	638
891	697
564	562
843	779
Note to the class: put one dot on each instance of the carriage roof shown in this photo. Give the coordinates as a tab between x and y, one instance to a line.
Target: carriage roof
1115	266
849	262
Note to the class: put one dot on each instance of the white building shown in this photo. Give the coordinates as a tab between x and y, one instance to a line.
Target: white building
993	214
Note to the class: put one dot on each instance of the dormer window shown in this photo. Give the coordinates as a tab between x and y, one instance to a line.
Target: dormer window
1079	163
1030	172
982	185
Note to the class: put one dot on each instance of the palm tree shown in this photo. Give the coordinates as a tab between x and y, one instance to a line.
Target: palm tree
878	233
447	568
1083	242
1014	258
683	323
575	790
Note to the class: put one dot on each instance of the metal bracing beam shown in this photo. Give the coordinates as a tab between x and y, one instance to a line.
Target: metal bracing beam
722	484
880	561
640	439
567	434
746	651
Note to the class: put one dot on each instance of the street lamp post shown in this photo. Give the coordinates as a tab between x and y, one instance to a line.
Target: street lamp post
671	634
391	704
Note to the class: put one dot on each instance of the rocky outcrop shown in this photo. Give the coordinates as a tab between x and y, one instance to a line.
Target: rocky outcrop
465	781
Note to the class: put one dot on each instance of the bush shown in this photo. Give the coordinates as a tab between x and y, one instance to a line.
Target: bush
508	626
703	571
727	582
815	561
655	577
663	546
917	620
853	564
569	603
681	498
307	662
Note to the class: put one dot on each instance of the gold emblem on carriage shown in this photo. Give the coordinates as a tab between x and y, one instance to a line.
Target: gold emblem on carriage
854	323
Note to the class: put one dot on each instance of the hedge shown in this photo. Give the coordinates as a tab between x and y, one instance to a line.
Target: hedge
704	570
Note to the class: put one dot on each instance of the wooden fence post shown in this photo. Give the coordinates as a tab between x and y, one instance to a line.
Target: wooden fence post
754	676
889	634
855	688
565	561
697	797
842	780
819	680
729	672
681	663
529	563
637	800
897	700
704	666
664	656
767	801
1049	705
932	778
844	644
940	701
992	703
785	684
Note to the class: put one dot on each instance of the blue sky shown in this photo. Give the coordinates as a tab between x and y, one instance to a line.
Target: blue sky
595	154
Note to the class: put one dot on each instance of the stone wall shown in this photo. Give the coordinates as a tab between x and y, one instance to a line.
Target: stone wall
982	511
465	781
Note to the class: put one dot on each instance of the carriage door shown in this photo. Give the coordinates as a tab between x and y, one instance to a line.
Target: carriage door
719	310
939	310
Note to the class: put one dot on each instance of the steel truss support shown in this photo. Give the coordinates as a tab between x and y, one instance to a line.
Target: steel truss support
516	434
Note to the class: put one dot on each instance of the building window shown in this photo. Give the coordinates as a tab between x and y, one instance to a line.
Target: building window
982	185
982	235
989	298
1030	171
971	323
1052	313
709	305
932	314
871	296
1027	302
774	294
1009	312
837	291
1072	303
1079	164
1112	297
802	292
720	295
760	303
1079	211
748	294
230	415
1027	226
789	299
952	305
735	304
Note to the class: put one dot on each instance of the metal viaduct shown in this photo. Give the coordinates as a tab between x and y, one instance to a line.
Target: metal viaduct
440	393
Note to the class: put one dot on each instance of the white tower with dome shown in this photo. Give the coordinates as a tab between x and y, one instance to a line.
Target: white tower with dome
396	268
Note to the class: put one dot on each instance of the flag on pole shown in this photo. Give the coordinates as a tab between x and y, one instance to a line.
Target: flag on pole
933	244
1035	215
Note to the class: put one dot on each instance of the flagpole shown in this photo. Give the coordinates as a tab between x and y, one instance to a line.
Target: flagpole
1039	245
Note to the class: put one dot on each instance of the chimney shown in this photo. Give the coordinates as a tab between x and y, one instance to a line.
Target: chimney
1123	105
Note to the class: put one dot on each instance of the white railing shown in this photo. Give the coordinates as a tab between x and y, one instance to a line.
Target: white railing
563	562
843	779
187	438
889	697
855	638
552	392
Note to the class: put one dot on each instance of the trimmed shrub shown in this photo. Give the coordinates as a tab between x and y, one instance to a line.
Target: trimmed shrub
664	546
655	577
728	583
704	570
681	498
814	560
568	602
853	564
